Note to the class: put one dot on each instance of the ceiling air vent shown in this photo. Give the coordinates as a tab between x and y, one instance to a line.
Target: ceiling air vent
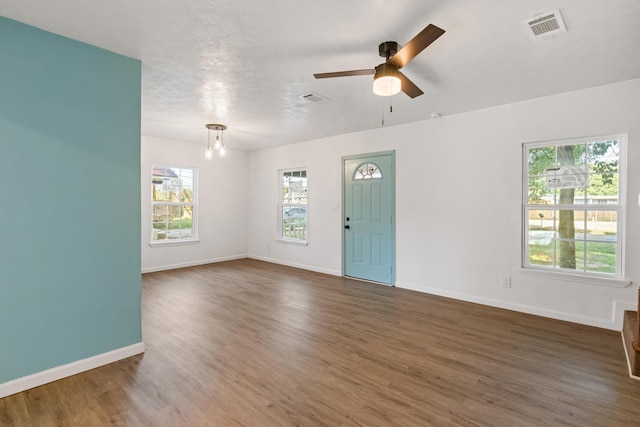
312	98
545	24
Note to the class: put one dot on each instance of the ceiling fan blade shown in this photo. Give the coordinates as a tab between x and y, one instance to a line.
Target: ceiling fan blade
344	74
416	45
408	86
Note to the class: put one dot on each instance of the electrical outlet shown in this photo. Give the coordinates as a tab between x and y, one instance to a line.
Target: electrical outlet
506	282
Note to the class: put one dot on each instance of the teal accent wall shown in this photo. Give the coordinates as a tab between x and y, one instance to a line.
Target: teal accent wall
70	278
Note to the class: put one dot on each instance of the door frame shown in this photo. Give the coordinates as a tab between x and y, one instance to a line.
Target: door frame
392	243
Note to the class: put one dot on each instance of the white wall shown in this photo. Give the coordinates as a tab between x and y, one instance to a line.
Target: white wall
222	205
450	171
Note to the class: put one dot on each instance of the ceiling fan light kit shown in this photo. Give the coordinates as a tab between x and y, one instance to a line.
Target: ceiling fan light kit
218	145
387	79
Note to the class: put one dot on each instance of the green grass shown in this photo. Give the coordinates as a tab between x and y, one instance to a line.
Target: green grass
175	224
601	256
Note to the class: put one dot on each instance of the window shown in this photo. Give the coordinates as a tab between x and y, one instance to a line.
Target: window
367	171
293	207
574	206
173	195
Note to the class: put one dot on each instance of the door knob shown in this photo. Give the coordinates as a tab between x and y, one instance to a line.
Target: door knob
347	227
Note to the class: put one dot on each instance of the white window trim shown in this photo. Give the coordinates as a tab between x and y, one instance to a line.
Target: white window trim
194	223
590	278
567	276
294	242
281	205
157	243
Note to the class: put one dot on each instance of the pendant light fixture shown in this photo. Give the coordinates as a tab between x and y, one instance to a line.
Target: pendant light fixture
218	145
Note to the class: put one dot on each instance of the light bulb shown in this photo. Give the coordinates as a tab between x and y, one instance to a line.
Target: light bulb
208	153
217	144
222	151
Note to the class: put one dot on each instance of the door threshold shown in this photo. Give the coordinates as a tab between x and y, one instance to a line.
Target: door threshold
359	279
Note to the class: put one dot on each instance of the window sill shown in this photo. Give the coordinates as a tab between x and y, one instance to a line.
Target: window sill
587	280
293	242
173	243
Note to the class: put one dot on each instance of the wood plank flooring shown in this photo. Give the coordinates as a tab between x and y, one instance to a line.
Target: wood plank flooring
246	343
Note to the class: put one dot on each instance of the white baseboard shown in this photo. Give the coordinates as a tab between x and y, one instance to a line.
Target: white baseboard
553	314
73	368
293	264
192	263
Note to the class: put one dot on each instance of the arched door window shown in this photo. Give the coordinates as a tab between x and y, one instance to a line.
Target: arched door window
367	171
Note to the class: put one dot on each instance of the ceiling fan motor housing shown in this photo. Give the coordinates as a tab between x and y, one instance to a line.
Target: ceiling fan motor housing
385	69
388	49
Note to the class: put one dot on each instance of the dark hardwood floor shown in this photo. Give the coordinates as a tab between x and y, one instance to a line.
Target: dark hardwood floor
246	343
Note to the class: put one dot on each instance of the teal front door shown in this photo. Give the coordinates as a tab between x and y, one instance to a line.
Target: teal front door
368	217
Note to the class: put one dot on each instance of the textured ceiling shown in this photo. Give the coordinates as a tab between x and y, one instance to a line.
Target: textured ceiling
245	64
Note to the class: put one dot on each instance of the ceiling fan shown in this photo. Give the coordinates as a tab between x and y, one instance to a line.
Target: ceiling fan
387	79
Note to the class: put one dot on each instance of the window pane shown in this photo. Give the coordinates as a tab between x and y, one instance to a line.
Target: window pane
541	159
541	255
186	196
579	195
294	187
568	254
603	156
184	226
175	222
602	226
571	155
541	237
541	220
294	222
186	185
286	176
601	257
539	194
159	234
171	189
187	215
157	191
186	177
603	188
175	212
567	196
566	223
160	177
160	222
